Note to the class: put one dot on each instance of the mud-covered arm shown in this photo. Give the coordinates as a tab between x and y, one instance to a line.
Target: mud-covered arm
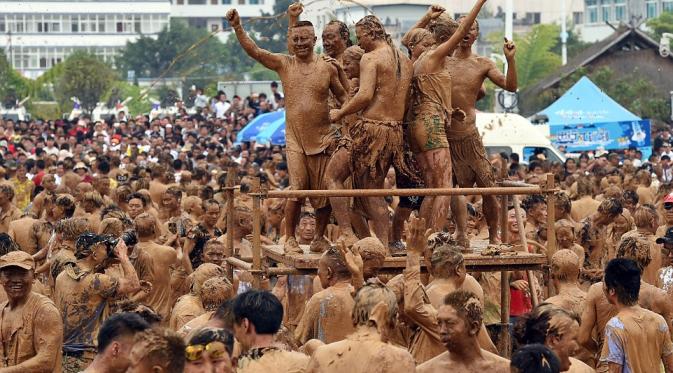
269	60
293	12
48	341
415	307
433	12
508	82
588	323
337	80
446	48
365	94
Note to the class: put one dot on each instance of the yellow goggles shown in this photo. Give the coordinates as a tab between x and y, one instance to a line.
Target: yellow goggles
216	350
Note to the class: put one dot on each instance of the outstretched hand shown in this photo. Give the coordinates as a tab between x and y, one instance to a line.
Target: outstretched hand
509	49
351	257
417	234
334	115
295	9
233	18
435	11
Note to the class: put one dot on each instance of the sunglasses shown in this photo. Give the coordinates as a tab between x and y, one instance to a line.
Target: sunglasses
668	205
216	350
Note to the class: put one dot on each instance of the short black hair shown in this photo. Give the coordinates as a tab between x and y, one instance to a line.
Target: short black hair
535	358
630	196
120	325
261	308
140	196
623	275
207	335
303	24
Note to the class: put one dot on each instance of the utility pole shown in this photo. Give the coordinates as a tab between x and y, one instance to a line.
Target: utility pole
564	34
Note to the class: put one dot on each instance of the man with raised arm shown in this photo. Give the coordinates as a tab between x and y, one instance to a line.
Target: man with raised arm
470	164
307	80
385	78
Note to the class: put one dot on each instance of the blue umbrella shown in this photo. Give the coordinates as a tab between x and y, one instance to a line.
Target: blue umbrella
273	134
252	130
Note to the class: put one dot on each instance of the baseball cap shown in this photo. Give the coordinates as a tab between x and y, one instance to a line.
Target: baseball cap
667	238
19	259
668	198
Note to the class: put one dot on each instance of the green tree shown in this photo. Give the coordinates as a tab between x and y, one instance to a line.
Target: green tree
86	77
13	86
120	91
178	51
660	25
272	29
535	58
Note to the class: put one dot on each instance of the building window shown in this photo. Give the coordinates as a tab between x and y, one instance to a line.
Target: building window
532	18
196	2
651	7
667	6
578	17
606	10
241	2
3	26
592	11
253	2
226	2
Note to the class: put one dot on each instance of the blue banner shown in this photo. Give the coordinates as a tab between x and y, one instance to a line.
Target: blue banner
610	136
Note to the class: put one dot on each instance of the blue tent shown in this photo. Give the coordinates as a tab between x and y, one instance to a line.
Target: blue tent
263	127
585	118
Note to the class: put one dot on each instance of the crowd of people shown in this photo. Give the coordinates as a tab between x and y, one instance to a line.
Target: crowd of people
113	234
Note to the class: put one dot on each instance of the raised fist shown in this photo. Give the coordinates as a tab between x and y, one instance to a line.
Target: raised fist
233	18
509	49
295	9
435	11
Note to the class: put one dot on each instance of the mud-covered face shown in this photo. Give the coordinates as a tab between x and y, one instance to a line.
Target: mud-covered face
452	328
135	207
303	41
565	237
365	39
471	36
423	45
16	281
332	42
351	67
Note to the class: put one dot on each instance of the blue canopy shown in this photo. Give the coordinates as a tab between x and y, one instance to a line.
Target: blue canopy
585	103
273	134
261	123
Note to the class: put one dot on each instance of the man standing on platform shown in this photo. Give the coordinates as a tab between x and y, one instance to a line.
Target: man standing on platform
470	164
385	79
307	80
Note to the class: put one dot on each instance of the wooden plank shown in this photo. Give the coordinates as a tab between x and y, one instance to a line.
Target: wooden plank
473	261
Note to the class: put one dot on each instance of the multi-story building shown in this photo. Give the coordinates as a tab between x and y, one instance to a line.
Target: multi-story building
210	14
37	34
598	13
404	13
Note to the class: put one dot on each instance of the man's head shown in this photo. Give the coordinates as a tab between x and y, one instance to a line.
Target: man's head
471	36
157	351
92	201
552	326
646	218
366	300
171	198
213	252
306	227
6	193
16	274
332	268
336	38
608	210
209	350
302	39
211	212
535	358
621	283
70	229
448	263
92	248
214	291
351	61
116	338
146	226
443	27
636	249
668	208
565	266
535	206
136	204
459	319
49	182
667	242
64	207
563	204
373	255
565	233
369	30
256	313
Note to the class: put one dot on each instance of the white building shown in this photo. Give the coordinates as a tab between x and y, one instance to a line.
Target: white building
36	35
209	14
632	12
400	15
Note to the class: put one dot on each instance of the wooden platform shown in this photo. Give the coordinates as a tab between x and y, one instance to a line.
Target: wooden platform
475	262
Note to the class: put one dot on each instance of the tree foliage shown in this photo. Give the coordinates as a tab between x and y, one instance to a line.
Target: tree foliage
83	76
120	91
660	25
534	57
178	51
13	86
